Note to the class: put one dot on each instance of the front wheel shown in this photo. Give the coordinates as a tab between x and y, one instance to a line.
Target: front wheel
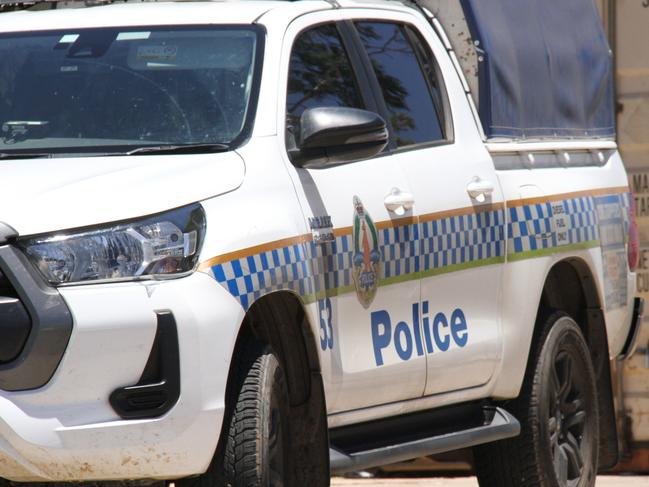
557	408
255	447
257	452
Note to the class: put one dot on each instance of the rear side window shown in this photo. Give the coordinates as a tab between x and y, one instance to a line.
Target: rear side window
404	76
320	74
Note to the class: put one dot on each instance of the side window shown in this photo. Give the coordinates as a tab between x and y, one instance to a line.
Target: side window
320	74
407	77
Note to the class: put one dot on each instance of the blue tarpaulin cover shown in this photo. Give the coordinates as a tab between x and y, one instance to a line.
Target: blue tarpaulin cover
547	69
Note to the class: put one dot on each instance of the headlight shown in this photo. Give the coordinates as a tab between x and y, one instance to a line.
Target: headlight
159	246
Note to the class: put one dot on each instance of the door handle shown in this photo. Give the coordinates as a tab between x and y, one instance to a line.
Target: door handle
398	201
480	189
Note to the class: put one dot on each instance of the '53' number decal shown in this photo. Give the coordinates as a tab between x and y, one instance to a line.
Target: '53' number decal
326	328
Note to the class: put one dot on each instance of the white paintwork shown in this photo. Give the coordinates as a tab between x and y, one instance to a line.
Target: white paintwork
131	15
518	306
67	430
91	190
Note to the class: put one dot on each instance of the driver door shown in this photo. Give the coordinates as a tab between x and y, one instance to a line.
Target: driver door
367	257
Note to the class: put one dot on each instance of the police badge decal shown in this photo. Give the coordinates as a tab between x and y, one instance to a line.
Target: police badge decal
367	256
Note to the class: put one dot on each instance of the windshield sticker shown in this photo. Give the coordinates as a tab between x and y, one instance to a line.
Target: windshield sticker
157	53
69	39
367	255
133	36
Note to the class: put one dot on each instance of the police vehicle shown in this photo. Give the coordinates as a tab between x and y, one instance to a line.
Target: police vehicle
260	243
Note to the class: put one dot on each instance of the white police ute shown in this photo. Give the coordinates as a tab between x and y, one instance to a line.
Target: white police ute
260	243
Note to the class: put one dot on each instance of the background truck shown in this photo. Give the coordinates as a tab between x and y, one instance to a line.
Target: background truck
626	24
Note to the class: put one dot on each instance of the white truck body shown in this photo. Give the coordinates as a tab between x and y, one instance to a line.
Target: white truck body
466	251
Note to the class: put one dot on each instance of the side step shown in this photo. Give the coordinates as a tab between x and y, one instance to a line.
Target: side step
500	425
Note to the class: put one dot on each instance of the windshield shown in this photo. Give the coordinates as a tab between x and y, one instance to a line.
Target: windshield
115	90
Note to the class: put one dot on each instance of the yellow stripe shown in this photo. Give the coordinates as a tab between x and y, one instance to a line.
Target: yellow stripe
257	249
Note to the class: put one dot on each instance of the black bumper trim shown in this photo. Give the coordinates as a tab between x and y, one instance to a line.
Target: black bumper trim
15	327
51	325
636	323
158	389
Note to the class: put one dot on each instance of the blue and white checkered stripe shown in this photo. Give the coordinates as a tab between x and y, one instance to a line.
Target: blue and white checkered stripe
625	199
311	270
583	220
331	263
284	268
462	239
399	249
532	227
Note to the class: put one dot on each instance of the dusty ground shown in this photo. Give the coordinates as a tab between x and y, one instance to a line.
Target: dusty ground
605	481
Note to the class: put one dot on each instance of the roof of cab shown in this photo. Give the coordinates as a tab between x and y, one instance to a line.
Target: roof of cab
150	13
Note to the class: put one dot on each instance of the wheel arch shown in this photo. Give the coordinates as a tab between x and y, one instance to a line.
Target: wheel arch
280	320
570	286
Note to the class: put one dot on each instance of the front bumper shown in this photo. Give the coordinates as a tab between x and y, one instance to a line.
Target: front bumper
35	324
67	429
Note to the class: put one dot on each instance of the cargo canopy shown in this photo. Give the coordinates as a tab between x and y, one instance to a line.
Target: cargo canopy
544	68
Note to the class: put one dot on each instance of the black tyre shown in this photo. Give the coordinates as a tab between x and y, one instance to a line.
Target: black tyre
254	451
557	408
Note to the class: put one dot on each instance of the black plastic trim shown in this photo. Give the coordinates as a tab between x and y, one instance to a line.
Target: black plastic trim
15	326
158	389
631	342
371	84
51	325
498	425
6	233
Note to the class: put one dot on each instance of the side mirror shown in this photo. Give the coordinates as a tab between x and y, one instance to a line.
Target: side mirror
335	135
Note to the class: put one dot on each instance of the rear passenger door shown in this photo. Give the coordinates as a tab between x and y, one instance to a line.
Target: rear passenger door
458	201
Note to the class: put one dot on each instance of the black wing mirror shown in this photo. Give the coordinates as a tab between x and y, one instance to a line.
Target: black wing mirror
335	135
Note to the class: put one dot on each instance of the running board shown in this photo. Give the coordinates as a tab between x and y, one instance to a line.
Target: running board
502	425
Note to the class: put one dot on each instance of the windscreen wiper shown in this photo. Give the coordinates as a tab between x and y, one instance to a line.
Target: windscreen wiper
179	149
23	155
